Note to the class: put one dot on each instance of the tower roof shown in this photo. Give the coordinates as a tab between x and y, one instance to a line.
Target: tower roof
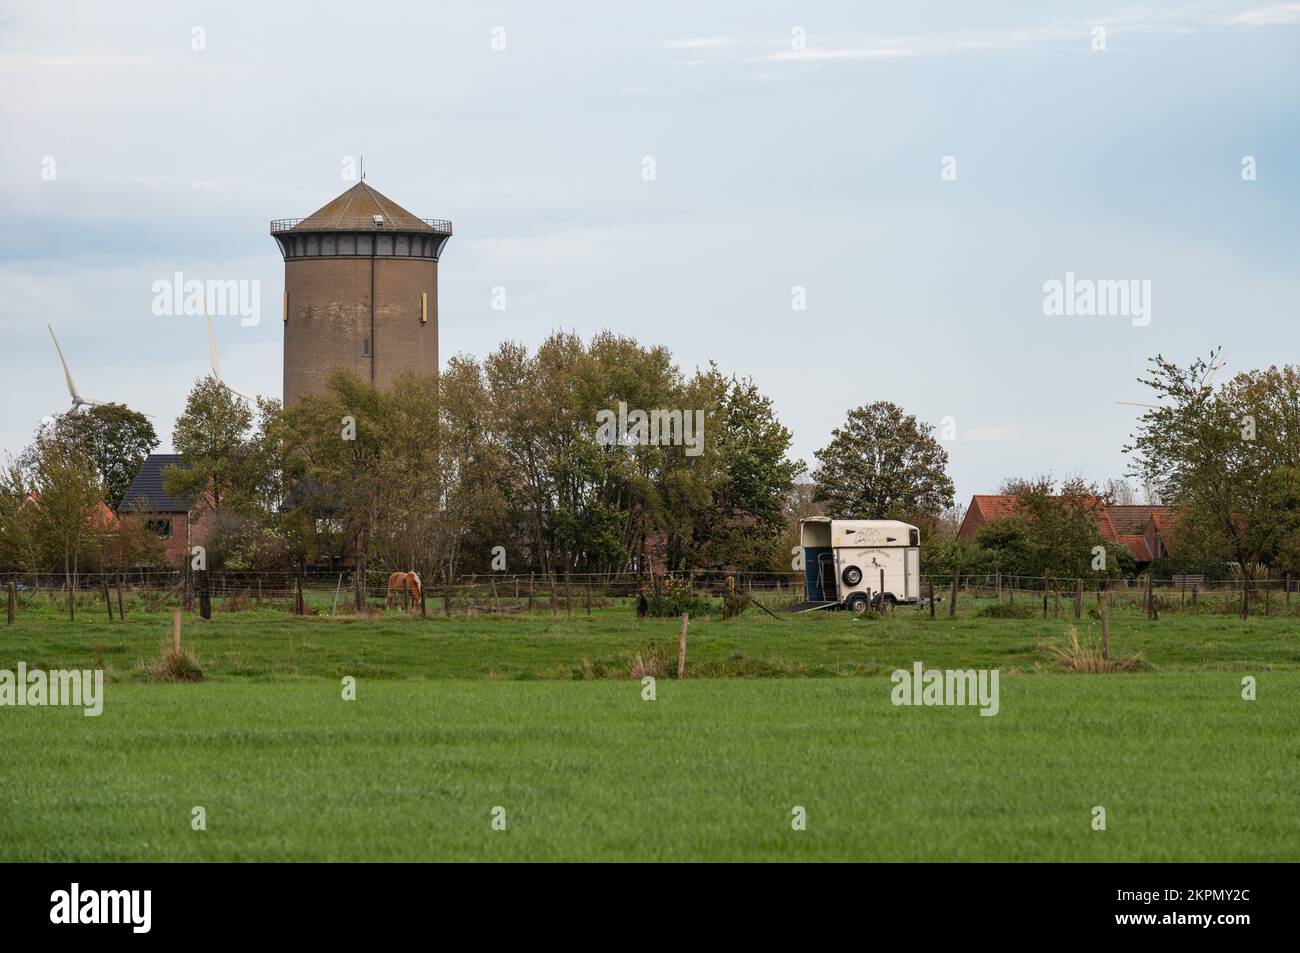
355	211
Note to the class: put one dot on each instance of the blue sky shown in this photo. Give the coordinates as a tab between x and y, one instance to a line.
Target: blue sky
775	167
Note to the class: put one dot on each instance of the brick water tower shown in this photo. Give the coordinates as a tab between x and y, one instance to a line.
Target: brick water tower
360	291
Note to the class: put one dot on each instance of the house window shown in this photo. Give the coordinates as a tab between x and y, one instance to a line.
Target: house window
160	527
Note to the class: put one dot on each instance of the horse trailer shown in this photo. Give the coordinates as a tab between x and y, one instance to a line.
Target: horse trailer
843	561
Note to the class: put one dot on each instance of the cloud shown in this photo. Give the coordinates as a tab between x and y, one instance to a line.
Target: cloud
850	47
700	43
1274	14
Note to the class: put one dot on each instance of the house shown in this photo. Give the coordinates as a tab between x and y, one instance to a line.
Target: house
173	519
1145	531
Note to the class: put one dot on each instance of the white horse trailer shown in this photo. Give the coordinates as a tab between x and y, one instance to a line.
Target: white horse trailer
843	561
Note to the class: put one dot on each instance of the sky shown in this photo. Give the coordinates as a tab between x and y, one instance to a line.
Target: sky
915	175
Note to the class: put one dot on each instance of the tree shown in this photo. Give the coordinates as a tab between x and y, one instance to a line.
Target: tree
883	464
1228	458
362	453
212	436
67	504
115	438
1052	531
19	545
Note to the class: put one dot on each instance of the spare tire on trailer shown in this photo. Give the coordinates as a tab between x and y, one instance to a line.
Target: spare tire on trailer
852	575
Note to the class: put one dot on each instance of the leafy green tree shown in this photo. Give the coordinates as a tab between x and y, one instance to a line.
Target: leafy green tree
67	510
116	440
212	436
1229	458
1053	530
883	464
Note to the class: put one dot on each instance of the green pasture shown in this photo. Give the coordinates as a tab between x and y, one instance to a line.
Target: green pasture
542	717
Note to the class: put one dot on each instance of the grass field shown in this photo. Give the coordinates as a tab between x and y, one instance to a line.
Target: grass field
540	716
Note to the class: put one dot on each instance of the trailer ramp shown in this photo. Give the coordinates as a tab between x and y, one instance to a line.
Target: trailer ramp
812	606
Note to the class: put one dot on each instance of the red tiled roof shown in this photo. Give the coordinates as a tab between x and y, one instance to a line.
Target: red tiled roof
1137	545
1116	524
1164	521
99	517
1130	519
994	507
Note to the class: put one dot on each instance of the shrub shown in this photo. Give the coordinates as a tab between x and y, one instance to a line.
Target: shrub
653	660
1008	610
174	666
1084	657
675	598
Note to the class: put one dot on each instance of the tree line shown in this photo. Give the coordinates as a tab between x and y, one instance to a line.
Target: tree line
503	463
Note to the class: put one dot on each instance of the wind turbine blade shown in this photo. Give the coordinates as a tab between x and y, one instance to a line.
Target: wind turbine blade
67	374
212	342
239	393
1131	403
1208	382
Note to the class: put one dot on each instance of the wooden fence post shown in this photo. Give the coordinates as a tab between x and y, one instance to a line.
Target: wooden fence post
884	606
121	610
13	598
952	601
1245	598
931	597
1102	601
1044	594
108	600
1078	599
176	631
681	646
530	591
205	596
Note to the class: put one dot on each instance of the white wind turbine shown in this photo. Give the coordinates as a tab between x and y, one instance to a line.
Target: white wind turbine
1206	383
77	400
216	368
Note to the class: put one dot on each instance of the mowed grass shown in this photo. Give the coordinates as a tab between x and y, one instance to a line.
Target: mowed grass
712	769
274	645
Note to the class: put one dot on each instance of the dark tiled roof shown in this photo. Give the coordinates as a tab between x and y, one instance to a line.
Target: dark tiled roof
146	493
354	211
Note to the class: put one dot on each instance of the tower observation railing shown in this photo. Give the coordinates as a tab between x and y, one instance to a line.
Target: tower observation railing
439	225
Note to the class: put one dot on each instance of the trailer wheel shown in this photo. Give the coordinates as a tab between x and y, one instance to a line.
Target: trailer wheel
889	598
859	603
852	575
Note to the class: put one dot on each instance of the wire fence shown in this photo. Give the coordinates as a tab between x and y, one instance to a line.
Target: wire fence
317	591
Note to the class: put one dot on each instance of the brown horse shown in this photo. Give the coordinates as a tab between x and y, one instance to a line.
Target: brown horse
405	586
